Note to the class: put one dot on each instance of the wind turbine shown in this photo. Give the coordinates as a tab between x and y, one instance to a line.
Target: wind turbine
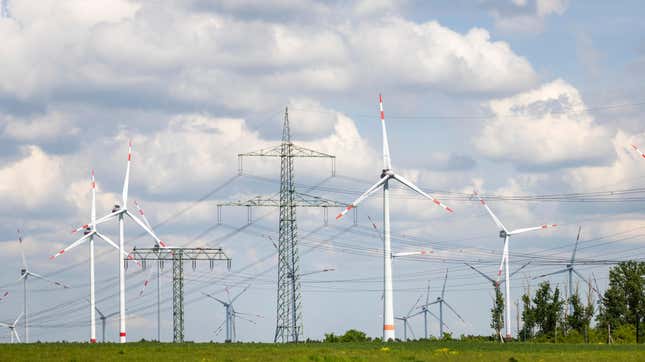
405	321
120	211
89	234
388	174
231	313
571	270
506	235
25	274
441	301
103	318
12	328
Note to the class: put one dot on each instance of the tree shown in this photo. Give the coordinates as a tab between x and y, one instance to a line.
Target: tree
624	302
527	317
497	312
544	311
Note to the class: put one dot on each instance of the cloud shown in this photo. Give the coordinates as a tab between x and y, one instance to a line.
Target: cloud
545	127
145	54
45	127
32	182
527	16
626	167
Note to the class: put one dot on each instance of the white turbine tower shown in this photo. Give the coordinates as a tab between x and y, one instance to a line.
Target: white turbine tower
386	175
120	211
570	269
441	301
25	274
12	328
506	235
89	234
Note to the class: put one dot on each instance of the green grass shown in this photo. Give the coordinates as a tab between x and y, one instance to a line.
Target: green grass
413	351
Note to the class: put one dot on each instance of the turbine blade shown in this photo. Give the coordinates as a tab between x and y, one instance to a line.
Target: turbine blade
490	212
414	306
575	248
107	217
146	282
4	295
22	250
553	273
411	331
240	293
519	231
387	163
445	279
375	228
15	333
217	299
73	245
480	273
410	253
579	275
428	293
409	184
453	310
112	243
17	319
93	215
639	151
160	243
143	215
363	196
519	269
437	318
57	283
126	180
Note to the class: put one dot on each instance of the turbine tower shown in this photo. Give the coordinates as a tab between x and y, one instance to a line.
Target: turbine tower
25	274
441	301
506	235
120	212
570	269
387	174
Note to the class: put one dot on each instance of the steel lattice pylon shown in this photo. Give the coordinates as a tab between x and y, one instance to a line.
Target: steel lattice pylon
289	325
178	296
178	256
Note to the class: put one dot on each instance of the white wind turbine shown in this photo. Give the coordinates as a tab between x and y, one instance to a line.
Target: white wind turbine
89	234
388	174
231	314
120	211
570	269
25	274
506	235
12	328
441	301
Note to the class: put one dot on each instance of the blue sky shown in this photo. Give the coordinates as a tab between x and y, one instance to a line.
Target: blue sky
515	98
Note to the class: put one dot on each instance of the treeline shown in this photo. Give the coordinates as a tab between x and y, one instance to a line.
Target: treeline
548	316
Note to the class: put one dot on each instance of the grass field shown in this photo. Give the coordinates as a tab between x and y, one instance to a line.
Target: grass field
413	351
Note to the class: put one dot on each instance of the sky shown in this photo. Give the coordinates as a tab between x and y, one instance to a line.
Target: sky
527	101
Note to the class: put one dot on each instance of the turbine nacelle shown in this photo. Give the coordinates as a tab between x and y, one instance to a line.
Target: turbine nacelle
386	172
503	234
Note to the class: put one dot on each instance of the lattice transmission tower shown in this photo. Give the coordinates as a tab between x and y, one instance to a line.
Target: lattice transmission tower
177	256
289	324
